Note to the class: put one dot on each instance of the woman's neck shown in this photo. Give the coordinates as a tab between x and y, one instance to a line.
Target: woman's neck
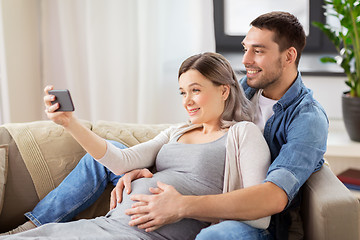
210	128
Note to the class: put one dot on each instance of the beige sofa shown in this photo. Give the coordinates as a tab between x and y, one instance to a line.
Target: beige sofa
36	156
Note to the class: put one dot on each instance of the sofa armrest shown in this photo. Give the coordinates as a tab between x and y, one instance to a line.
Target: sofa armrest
59	153
329	209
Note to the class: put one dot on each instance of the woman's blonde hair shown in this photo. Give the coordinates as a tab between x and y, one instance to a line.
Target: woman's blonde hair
218	70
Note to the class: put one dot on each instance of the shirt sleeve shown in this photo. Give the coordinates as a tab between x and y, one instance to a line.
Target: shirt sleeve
302	154
143	155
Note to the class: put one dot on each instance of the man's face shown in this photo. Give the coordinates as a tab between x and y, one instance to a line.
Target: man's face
262	59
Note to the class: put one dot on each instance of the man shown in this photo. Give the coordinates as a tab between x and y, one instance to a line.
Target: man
294	125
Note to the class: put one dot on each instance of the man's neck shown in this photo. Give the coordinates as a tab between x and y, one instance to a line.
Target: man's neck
277	90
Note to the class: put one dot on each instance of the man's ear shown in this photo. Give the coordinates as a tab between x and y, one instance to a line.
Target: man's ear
291	55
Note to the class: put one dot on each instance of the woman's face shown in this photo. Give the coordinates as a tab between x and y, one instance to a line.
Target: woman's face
203	101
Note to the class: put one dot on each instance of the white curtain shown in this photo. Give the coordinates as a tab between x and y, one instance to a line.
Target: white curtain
4	98
120	58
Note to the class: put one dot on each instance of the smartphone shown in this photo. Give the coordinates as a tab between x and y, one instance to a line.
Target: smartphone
63	97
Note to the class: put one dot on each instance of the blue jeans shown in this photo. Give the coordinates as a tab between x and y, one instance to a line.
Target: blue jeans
78	191
233	230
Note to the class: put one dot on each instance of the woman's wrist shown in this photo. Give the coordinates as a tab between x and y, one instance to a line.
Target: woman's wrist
71	123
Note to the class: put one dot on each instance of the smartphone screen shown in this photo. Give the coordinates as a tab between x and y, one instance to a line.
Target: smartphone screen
63	97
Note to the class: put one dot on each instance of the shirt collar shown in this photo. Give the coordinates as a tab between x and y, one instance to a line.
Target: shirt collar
291	94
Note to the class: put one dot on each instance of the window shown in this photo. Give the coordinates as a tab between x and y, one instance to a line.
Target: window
232	19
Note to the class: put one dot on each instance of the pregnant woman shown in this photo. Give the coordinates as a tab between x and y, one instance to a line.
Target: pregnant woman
218	150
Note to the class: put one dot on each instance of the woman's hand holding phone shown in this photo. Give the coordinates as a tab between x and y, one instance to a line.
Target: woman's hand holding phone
63	115
59	114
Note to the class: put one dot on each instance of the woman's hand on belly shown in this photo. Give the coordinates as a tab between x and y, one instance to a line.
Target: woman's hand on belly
125	182
151	212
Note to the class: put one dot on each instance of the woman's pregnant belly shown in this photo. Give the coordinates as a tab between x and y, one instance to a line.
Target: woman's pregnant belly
184	184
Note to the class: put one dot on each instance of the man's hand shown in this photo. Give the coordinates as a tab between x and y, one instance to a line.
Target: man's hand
154	211
125	182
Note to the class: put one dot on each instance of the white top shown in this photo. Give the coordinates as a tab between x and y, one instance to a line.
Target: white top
263	109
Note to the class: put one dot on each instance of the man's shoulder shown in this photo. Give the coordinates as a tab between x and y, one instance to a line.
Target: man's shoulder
307	102
305	108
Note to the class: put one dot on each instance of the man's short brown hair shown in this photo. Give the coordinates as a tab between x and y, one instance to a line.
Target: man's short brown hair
287	28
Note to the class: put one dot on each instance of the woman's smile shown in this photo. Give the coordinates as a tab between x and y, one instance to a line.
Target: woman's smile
193	111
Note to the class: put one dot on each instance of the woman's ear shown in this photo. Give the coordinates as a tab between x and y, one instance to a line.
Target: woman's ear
225	91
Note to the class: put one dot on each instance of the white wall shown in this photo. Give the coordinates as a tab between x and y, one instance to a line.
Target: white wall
328	91
20	65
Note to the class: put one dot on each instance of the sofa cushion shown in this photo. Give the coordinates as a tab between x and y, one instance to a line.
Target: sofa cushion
128	134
